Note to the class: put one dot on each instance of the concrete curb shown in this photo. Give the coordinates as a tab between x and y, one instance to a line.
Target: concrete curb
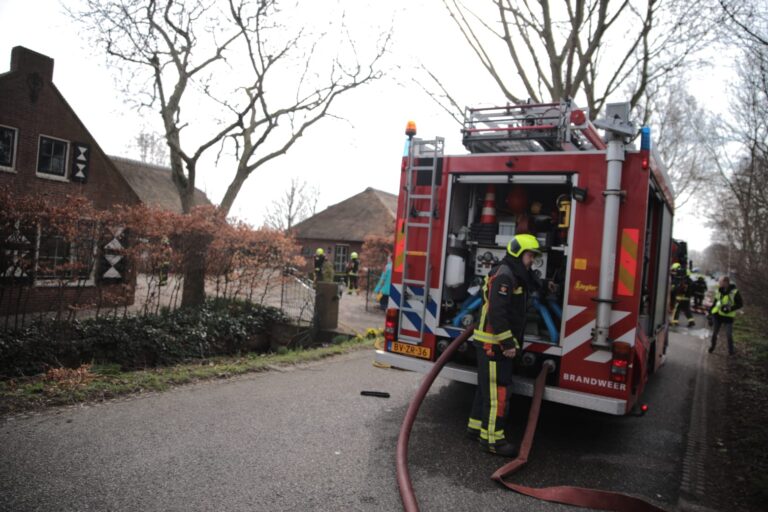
693	483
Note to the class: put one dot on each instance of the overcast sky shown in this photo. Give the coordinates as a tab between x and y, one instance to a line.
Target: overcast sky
341	157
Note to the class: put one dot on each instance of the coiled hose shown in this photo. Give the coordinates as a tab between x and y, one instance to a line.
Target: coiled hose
591	498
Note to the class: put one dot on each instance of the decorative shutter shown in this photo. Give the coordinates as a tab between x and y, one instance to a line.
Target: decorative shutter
113	262
17	255
81	159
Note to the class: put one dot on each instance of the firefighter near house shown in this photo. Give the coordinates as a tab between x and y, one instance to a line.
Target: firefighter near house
601	211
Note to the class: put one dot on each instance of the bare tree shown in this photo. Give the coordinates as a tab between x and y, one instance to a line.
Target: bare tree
582	49
681	126
241	75
746	21
156	45
313	94
152	148
296	204
740	214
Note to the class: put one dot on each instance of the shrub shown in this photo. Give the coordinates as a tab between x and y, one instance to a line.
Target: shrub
219	327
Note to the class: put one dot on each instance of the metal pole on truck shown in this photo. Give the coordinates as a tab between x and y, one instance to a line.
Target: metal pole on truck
617	128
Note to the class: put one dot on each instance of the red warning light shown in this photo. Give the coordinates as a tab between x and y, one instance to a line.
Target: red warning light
578	117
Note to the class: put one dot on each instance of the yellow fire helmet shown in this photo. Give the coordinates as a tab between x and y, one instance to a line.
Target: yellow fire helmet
521	243
319	251
353	255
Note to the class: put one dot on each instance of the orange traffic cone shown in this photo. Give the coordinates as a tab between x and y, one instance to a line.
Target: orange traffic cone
488	215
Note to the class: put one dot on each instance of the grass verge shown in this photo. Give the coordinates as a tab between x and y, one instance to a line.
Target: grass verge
745	428
93	383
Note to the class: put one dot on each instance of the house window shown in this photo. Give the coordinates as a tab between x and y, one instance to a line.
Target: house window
52	157
61	260
53	256
340	258
8	138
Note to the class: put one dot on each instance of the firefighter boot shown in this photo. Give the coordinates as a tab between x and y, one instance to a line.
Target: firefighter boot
691	323
505	449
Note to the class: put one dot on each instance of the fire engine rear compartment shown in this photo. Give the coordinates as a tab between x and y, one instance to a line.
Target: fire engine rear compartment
604	240
486	211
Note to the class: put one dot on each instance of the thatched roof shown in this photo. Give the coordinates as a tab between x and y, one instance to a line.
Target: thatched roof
154	184
371	212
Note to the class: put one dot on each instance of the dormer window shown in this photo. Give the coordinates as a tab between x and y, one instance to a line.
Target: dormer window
52	158
8	137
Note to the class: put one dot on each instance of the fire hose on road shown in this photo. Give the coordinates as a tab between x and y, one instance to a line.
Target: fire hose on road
579	496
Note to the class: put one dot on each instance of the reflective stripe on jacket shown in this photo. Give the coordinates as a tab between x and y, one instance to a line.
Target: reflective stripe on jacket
503	298
726	299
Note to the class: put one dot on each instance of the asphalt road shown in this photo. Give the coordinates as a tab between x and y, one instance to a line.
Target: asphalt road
305	439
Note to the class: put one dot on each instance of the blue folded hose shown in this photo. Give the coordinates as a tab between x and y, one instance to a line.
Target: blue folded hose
554	335
467	307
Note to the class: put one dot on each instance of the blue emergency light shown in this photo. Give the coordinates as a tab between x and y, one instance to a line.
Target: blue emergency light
645	138
645	146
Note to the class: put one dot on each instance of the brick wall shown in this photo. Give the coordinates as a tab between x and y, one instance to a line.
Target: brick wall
34	299
31	103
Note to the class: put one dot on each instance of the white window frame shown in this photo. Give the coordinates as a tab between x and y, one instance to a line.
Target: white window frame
14	156
46	175
339	260
73	282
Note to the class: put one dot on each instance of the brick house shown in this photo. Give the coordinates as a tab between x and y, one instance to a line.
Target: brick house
45	150
341	228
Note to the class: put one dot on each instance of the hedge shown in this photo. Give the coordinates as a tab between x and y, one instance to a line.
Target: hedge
219	327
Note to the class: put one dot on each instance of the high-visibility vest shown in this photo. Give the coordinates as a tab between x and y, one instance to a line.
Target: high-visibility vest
481	335
728	299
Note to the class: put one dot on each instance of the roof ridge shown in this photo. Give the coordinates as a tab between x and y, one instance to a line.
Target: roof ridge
145	164
381	199
379	191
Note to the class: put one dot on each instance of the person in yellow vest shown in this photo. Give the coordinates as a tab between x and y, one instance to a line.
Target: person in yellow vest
727	301
353	267
498	338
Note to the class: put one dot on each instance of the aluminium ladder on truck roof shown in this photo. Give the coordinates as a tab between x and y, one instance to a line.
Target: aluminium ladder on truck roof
424	156
529	128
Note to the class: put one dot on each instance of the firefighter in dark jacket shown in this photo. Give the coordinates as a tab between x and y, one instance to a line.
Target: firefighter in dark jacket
319	260
682	288
353	267
726	302
699	290
498	338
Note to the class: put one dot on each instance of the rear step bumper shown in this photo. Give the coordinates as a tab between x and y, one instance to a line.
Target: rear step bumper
521	385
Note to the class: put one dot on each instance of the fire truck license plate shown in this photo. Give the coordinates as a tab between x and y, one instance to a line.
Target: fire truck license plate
410	350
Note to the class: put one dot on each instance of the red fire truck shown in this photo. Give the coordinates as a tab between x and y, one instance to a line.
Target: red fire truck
601	210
